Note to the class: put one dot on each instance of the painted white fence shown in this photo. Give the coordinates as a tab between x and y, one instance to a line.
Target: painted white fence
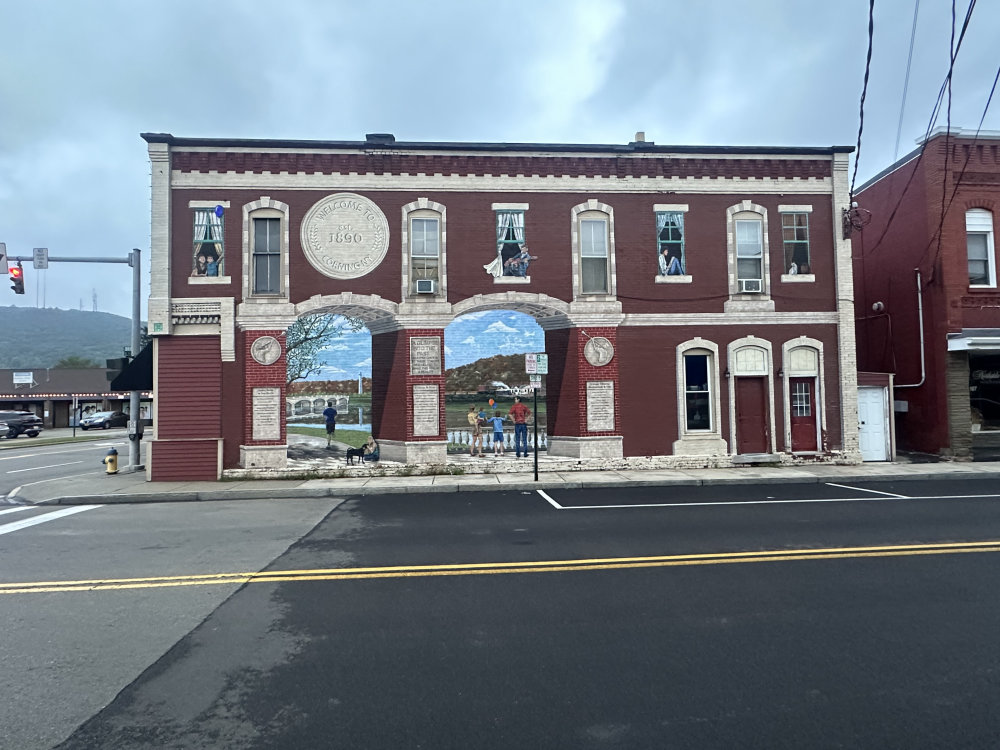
464	437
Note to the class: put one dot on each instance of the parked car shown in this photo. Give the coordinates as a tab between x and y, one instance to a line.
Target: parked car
104	420
20	423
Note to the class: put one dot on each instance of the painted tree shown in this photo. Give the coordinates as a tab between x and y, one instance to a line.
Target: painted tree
308	336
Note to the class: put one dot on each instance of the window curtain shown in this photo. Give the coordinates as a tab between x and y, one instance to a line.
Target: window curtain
508	223
201	225
215	232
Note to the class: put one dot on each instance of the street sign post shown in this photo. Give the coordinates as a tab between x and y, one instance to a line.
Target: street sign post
536	365
40	259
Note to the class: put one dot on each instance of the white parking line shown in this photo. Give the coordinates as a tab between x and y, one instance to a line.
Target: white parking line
722	503
18	525
552	502
862	489
18	509
38	468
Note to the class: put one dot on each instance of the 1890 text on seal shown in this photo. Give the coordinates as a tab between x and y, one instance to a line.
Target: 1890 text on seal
345	236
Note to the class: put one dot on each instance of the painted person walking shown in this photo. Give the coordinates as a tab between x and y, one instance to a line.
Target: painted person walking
330	415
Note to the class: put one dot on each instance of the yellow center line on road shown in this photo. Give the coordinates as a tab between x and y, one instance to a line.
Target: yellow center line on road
538	566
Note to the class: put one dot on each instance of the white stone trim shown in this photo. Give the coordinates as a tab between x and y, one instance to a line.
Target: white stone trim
729	319
798	278
846	345
510	207
702	442
782	209
593	205
739	302
686	279
501	280
502	183
819	379
209	280
424	204
731	349
271	207
660	208
207	204
594	447
158	309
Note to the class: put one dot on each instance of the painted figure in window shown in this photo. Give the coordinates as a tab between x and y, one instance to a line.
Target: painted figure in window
200	265
212	263
670	264
670	243
517	265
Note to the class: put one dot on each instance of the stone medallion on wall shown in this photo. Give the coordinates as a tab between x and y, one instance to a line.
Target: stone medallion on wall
598	351
345	236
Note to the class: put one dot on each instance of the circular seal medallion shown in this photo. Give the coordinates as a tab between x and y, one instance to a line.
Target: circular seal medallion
266	350
345	236
598	351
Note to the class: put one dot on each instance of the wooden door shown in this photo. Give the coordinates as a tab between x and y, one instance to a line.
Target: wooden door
803	392
752	434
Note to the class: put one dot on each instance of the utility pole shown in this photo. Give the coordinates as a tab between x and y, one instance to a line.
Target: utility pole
41	259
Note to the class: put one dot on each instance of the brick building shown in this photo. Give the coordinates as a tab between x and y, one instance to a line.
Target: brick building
696	301
928	305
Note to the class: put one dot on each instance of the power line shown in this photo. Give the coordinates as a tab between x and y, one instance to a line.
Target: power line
864	93
906	79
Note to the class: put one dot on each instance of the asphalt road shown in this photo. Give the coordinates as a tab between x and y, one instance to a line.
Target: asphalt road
794	616
26	461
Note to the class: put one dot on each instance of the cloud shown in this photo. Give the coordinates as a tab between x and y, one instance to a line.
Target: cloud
364	363
471	340
500	327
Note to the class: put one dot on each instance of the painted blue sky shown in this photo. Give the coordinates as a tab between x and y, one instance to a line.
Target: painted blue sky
468	338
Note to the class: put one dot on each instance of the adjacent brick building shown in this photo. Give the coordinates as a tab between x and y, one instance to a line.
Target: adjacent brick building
696	301
928	305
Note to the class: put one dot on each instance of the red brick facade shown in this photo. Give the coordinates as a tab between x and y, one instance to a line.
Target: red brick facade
647	320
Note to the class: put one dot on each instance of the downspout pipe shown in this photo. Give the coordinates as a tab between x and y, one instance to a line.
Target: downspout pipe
920	322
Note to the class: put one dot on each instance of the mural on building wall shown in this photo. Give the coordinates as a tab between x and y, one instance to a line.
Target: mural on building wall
513	257
670	243
345	236
208	241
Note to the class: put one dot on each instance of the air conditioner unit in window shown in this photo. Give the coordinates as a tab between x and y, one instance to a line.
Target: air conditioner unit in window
750	286
427	286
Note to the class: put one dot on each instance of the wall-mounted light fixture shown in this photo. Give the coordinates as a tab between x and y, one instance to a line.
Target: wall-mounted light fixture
781	373
726	374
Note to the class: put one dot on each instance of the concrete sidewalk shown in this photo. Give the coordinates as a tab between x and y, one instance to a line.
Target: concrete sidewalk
133	488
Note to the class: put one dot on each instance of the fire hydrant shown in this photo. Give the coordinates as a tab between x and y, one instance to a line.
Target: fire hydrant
111	461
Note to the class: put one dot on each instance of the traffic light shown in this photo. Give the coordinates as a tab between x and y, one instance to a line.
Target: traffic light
17	278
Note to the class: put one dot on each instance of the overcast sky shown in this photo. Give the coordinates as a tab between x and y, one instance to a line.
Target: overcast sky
80	79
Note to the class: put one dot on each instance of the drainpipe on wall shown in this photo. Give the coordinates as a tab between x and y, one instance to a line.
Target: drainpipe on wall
920	321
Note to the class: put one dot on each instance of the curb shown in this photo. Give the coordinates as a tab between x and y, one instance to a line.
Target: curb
289	493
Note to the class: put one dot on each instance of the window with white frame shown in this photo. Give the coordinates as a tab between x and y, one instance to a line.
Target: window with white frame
208	242
979	246
749	254
266	256
802	399
795	235
425	253
670	243
697	391
593	254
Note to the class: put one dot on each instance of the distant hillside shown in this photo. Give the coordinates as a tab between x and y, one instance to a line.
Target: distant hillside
507	368
34	338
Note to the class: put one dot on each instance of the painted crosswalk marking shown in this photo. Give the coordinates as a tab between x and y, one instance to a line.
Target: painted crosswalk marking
7	528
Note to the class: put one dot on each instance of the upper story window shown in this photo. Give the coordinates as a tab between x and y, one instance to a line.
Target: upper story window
750	255
425	254
795	235
266	257
510	240
670	243
208	253
979	246
593	256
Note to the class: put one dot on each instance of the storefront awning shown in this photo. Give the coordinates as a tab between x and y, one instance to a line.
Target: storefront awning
138	374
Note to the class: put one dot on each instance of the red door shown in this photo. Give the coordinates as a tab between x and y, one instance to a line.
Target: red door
751	416
803	414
